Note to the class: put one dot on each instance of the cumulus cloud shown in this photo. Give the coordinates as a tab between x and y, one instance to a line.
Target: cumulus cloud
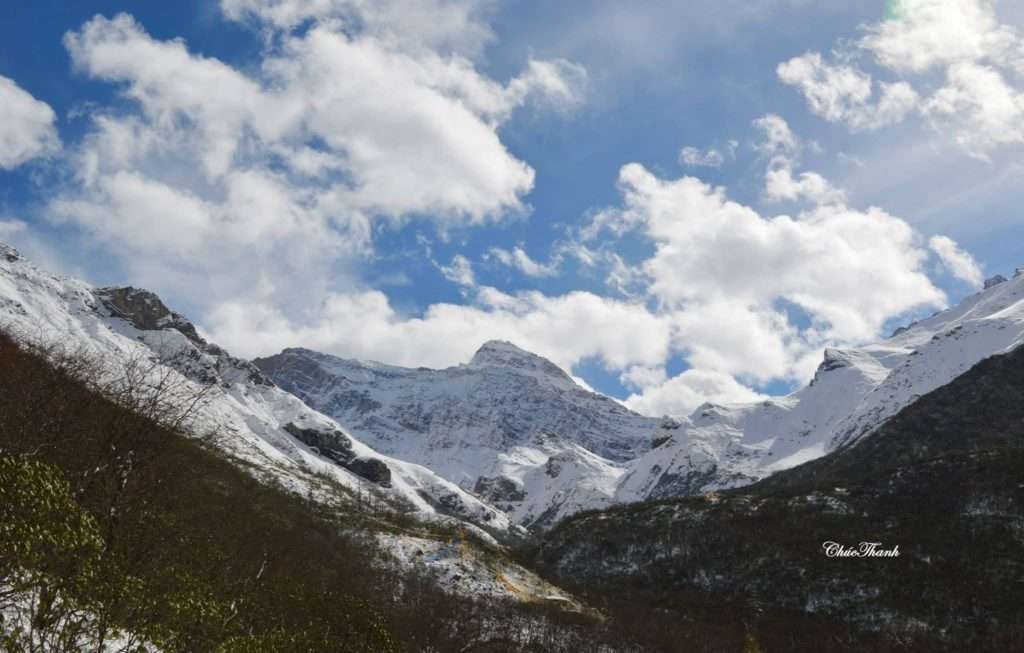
732	279
958	262
27	126
459	271
518	259
778	138
979	107
288	165
782	184
924	34
845	94
681	394
977	100
365	325
783	149
458	26
710	158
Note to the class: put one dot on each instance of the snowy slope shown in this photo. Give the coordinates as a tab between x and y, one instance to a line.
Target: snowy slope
255	420
853	392
509	425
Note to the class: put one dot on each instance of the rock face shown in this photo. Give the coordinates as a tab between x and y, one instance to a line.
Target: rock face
509	425
203	361
9	253
994	281
337	446
940	481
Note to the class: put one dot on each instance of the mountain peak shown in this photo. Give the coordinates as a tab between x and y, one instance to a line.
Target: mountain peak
503	354
145	311
501	349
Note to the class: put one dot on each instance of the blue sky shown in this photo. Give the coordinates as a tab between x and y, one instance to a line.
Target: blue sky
403	180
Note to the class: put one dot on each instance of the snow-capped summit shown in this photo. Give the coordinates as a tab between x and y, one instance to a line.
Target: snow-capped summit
502	354
853	393
509	425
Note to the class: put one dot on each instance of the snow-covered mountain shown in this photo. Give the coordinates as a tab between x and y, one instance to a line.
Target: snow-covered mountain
853	392
515	429
510	426
508	438
270	429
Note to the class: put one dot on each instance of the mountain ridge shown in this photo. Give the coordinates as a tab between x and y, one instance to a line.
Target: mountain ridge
256	420
508	425
853	392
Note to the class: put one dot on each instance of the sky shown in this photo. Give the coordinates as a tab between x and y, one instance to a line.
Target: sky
676	202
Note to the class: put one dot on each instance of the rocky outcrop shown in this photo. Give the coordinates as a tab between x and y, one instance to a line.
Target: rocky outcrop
337	447
500	490
198	359
991	282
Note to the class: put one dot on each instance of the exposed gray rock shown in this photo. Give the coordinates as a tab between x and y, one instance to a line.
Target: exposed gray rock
337	447
499	490
994	281
203	361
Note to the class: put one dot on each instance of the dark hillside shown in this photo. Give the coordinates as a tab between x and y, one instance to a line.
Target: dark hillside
110	520
943	481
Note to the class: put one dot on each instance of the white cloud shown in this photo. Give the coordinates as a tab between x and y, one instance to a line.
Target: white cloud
518	259
10	228
681	394
845	94
288	166
778	137
27	128
924	34
558	84
458	26
977	102
782	185
459	271
641	376
979	108
959	262
365	325
783	149
729	277
710	158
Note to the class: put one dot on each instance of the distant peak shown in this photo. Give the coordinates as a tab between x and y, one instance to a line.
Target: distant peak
503	354
500	348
